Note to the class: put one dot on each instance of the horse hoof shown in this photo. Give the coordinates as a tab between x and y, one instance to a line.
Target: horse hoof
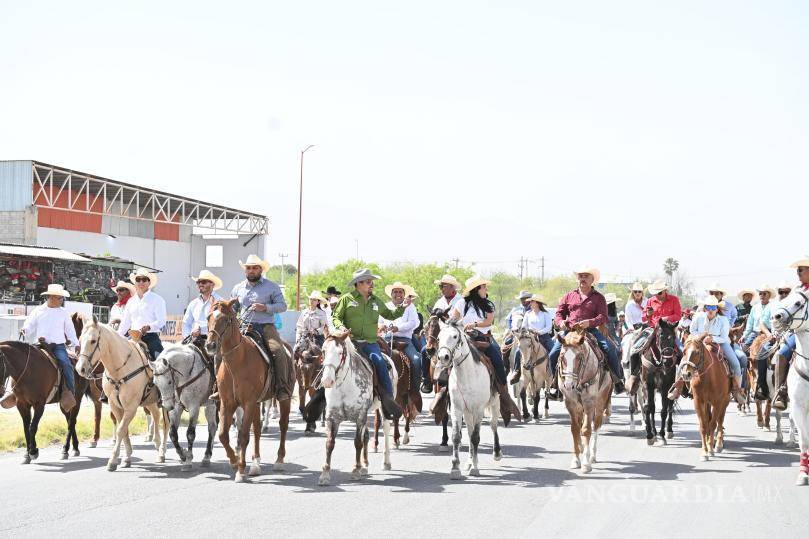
206	463
790	444
474	472
112	467
356	475
526	417
650	441
76	453
64	455
498	456
593	460
803	480
386	466
239	478
127	464
325	479
34	454
586	468
663	441
278	466
760	423
711	453
705	458
26	459
265	429
93	444
720	448
255	470
395	444
364	471
575	463
670	433
546	415
443	448
631	427
537	421
406	439
455	475
779	441
160	459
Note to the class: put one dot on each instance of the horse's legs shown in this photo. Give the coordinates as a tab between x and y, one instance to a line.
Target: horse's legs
283	425
38	410
301	389
191	434
779	438
396	434
759	415
649	413
587	436
377	420
25	415
225	420
664	414
525	413
670	423
498	452
356	473
174	416
123	417
536	405
331	435
68	436
720	427
97	421
473	429
767	410
255	467
386	453
457	423
74	414
159	420
576	416
211	417
366	437
250	411
444	434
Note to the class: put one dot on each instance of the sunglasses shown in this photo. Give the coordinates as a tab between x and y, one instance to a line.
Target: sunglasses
141	279
637	292
122	290
659	293
711	307
204	282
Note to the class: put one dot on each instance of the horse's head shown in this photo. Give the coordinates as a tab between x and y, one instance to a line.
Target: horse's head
792	312
336	350
450	340
432	327
221	319
666	339
571	357
526	340
694	351
164	377
90	344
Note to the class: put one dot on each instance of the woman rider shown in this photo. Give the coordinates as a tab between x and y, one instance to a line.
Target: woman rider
537	319
313	320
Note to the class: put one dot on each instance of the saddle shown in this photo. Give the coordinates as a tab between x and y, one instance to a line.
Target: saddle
716	350
370	364
643	340
58	389
481	341
602	359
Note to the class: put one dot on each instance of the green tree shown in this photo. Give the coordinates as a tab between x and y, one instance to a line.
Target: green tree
670	266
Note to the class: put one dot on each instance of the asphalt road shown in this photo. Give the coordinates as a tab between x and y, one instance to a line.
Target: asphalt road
660	490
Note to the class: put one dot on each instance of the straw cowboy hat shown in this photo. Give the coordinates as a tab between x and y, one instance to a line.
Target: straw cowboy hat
783	285
716	288
124	284
363	274
610	297
637	287
538	298
56	290
448	279
657	287
391	287
801	262
472	283
143	272
591	270
767	288
254	260
319	297
744	291
206	275
410	292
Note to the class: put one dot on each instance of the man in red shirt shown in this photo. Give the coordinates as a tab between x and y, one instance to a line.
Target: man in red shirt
586	307
662	305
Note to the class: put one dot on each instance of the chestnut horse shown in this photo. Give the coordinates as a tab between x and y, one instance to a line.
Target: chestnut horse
308	358
710	387
244	380
407	395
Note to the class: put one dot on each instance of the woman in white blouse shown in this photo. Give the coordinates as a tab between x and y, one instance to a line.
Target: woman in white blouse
537	319
313	320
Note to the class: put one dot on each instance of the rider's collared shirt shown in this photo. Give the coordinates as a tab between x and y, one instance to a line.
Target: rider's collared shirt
743	309
634	312
541	322
311	321
149	310
668	309
196	314
264	291
717	328
361	316
443	304
407	323
574	308
759	314
51	323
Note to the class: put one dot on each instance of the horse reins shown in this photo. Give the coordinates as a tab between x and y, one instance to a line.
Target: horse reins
577	375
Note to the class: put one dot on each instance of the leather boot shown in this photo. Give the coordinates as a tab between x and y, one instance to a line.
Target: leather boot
632	384
507	405
215	395
68	401
674	392
515	377
554	394
736	389
439	406
781	398
314	408
9	400
617	383
390	410
426	387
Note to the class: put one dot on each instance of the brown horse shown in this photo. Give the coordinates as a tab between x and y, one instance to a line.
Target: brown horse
244	380
749	377
407	395
308	358
431	329
710	387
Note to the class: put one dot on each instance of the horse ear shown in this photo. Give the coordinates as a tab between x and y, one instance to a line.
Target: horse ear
95	320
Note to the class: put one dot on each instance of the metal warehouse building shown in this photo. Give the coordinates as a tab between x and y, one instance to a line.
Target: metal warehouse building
49	206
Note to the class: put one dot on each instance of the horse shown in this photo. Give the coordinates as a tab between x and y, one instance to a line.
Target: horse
431	330
536	372
308	362
184	376
127	383
658	370
244	379
626	362
471	389
748	378
764	407
793	313
710	387
407	395
348	379
587	388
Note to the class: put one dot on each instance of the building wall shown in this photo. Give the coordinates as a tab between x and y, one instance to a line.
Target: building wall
233	250
15	185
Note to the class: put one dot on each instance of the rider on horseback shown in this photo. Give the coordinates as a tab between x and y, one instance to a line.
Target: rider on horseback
743	309
731	313
359	312
586	308
404	326
758	322
195	320
124	291
635	307
50	324
313	321
537	319
784	355
449	287
145	312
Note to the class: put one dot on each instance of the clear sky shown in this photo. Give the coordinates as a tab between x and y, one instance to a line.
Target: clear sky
614	133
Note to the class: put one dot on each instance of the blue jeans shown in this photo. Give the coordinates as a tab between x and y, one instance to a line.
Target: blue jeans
415	360
546	340
60	352
153	343
732	358
374	353
496	355
603	343
788	347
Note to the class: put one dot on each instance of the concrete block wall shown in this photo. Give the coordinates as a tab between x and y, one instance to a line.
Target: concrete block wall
12	227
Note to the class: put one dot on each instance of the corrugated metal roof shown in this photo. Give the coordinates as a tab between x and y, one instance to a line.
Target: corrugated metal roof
41	252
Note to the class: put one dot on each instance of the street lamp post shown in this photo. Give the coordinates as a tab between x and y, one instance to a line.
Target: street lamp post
300	215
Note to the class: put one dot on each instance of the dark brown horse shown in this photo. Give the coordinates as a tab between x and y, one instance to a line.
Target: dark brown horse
308	358
431	330
407	395
244	380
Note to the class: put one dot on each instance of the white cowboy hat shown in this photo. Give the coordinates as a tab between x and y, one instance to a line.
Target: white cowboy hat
56	290
363	274
254	260
621	313
448	279
767	288
524	294
538	298
744	291
610	297
657	287
319	297
143	272
801	262
124	284
637	287
716	288
206	275
710	300
410	292
333	300
391	287
472	283
588	269
783	285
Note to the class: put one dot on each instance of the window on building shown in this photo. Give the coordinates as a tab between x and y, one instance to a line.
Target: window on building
213	256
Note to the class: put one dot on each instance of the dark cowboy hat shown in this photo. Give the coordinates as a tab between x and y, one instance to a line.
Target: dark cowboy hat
333	290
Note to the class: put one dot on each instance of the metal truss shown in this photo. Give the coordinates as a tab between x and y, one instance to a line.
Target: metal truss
100	196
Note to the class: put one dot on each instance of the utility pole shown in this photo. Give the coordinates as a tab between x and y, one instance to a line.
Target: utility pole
300	222
522	267
456	262
282	256
542	271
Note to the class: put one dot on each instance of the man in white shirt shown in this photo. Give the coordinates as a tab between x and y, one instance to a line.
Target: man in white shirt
195	320
145	312
402	328
50	324
635	305
449	287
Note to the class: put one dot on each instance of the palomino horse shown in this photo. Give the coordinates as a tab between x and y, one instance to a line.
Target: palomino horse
308	361
470	388
348	379
793	313
587	387
536	372
710	387
658	369
244	380
127	383
431	330
764	407
184	377
33	378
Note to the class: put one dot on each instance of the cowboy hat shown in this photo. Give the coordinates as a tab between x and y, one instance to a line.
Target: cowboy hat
206	275
333	291
801	262
767	288
610	297
318	296
657	287
524	294
56	290
363	274
124	284
744	291
472	283
588	269
709	301
637	287
410	292
391	287
254	260
448	279
716	288
783	285
333	300
143	272
538	298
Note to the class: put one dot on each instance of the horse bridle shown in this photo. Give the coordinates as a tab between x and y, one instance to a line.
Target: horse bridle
790	317
535	340
698	366
338	368
93	353
171	371
452	351
230	322
580	349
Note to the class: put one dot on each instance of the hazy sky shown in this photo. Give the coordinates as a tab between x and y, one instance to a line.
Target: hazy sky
616	133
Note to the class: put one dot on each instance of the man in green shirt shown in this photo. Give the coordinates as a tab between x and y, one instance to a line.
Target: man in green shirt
358	311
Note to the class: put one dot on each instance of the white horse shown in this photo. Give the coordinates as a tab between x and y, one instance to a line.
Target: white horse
471	393
793	312
185	379
348	379
127	377
535	371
